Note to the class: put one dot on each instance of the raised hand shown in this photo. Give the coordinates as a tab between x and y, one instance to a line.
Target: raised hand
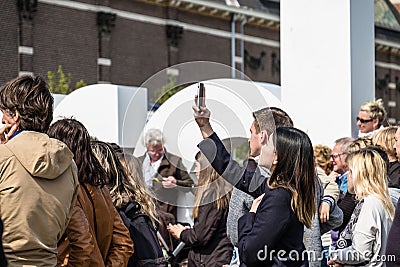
202	117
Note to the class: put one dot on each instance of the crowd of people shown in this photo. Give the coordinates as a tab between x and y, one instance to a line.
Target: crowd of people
68	199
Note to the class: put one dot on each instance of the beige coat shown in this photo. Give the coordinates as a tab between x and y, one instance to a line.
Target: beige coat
38	188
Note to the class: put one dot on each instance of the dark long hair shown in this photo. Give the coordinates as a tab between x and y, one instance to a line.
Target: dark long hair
295	171
76	137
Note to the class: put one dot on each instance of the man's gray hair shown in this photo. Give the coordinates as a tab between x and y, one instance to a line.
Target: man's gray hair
153	137
344	143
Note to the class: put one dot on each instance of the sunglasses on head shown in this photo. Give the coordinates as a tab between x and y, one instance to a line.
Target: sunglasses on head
364	121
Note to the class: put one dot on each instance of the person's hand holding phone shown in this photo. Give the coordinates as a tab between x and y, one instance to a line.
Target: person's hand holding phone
169	182
201	96
176	229
202	114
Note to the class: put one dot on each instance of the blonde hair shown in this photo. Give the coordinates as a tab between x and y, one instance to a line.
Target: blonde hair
322	155
138	190
369	174
361	142
211	187
385	139
375	109
125	180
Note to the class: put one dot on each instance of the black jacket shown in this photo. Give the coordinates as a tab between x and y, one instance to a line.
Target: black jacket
3	260
394	174
393	240
209	244
273	227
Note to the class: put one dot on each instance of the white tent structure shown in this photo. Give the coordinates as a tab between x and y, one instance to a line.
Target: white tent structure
112	113
231	103
57	99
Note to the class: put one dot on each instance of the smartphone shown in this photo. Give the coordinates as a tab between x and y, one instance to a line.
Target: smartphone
201	96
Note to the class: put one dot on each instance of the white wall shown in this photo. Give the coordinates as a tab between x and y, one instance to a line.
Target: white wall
327	64
112	113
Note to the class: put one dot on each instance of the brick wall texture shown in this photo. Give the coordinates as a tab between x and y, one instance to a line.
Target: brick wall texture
69	37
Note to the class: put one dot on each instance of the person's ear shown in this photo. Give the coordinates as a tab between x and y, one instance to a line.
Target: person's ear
263	137
275	159
17	118
375	123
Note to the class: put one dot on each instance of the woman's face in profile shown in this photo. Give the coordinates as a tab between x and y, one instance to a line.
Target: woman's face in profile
196	169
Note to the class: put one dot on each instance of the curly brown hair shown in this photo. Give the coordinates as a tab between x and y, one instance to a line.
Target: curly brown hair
322	155
30	97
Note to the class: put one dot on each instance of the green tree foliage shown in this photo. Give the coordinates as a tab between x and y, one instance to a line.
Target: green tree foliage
80	84
161	95
59	82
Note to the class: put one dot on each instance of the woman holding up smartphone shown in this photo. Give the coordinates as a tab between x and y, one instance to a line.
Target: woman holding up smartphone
276	220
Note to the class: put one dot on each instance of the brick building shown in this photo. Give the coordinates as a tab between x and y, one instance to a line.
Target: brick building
127	41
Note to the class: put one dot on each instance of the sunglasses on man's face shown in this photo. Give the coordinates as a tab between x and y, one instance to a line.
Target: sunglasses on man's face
364	121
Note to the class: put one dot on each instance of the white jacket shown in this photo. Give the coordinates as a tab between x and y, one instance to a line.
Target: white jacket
369	235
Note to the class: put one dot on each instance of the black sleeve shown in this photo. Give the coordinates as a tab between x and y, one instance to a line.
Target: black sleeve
263	229
183	177
347	205
208	220
252	183
3	259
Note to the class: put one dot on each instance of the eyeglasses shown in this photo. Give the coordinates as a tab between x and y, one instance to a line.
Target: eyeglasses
334	156
364	121
159	151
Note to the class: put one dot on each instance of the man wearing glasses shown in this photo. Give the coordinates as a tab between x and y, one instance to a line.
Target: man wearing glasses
370	118
338	159
340	172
